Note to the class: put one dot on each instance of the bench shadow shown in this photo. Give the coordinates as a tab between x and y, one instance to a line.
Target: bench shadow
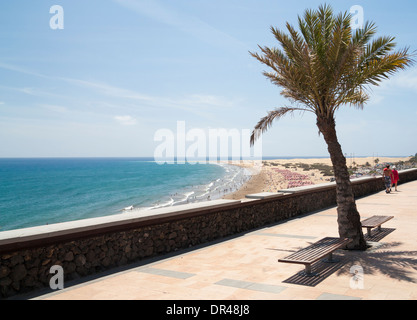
377	236
321	269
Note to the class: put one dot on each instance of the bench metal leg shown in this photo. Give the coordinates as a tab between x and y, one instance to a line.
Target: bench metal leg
330	259
369	230
307	271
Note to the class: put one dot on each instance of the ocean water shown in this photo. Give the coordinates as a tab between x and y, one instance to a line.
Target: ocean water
43	191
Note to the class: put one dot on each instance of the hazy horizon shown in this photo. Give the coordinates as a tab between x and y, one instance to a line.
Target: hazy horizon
115	72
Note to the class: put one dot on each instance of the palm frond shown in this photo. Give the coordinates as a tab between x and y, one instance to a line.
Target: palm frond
326	65
266	122
377	49
381	68
362	36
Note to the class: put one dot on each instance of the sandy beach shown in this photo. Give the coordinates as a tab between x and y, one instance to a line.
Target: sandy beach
283	173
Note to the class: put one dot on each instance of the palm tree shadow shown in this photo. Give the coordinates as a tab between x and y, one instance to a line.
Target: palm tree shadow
399	265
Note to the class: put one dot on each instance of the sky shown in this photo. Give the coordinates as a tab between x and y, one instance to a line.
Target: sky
101	78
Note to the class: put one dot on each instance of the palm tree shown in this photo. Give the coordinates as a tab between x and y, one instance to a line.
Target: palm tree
322	67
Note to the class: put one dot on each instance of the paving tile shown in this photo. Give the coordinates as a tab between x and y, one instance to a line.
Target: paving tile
234	283
285	235
167	273
331	296
268	288
247	268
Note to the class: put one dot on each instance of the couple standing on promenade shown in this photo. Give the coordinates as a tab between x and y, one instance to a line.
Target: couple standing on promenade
391	178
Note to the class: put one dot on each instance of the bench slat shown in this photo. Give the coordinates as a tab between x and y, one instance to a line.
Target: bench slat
316	251
375	221
309	253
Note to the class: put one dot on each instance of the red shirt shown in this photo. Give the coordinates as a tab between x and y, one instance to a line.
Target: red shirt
395	174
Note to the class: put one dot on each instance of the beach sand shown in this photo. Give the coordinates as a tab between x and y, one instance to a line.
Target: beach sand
271	176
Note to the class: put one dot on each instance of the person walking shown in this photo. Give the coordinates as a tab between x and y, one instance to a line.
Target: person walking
387	178
395	177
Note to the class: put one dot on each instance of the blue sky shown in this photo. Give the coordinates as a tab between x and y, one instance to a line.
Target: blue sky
121	70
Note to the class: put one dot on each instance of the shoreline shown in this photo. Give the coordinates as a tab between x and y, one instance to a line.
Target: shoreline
251	177
276	174
233	179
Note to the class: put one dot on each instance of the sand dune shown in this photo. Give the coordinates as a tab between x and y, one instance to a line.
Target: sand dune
273	174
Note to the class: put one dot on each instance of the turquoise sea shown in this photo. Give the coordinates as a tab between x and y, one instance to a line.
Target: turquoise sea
43	191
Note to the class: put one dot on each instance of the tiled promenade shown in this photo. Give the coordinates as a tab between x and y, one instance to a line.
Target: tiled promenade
245	267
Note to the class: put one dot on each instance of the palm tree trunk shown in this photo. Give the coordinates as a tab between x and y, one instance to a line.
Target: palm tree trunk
347	213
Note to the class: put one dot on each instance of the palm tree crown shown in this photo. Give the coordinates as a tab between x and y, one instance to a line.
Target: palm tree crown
322	67
326	64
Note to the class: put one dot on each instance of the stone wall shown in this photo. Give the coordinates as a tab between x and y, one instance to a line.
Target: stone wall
27	256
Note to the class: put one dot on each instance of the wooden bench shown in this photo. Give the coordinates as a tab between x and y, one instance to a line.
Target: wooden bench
374	222
318	250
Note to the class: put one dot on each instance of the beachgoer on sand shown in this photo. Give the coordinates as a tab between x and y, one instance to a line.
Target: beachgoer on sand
387	178
395	177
